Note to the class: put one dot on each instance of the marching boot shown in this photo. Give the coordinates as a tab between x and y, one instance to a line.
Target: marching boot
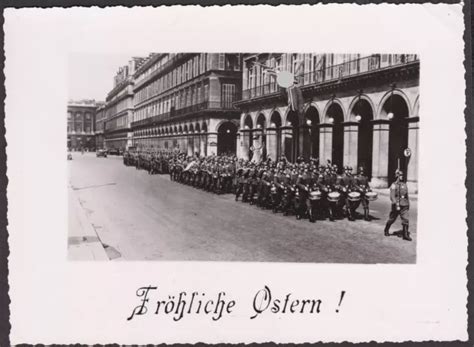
387	227
366	214
331	215
406	234
350	215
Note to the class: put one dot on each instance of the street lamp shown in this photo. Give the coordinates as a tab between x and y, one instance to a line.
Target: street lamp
331	120
309	122
390	115
358	118
273	125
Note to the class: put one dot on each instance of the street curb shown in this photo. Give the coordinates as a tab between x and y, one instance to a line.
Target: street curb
87	249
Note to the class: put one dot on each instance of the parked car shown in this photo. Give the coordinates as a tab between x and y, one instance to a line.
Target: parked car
101	153
114	151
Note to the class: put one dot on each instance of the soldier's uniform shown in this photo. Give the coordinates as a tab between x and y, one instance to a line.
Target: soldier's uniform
280	180
303	183
266	181
346	183
362	183
245	179
329	181
400	205
239	183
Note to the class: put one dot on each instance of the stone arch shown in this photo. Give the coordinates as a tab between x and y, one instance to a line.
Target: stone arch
314	105
198	128
274	145
311	113
248	122
416	107
261	121
360	145
270	114
396	109
235	122
310	145
289	113
394	92
350	111
226	137
328	106
334	115
275	118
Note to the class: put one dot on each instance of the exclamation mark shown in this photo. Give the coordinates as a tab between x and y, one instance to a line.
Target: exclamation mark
340	300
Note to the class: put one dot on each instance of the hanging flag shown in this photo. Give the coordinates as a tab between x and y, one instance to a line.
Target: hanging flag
295	98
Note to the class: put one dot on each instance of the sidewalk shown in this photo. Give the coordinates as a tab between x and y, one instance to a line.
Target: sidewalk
83	242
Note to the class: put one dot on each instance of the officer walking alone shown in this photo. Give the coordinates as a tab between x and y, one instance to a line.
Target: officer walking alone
400	205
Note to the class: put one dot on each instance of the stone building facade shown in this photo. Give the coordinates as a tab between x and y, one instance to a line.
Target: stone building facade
81	125
185	101
119	108
356	110
100	117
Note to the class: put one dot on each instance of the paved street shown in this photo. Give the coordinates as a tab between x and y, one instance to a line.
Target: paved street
147	217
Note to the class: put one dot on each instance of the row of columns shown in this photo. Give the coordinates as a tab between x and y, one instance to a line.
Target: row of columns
380	146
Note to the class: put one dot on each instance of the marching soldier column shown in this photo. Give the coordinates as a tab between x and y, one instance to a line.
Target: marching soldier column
306	189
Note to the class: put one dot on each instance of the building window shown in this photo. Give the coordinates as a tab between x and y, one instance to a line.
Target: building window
202	63
232	62
251	77
221	61
208	61
228	95
206	92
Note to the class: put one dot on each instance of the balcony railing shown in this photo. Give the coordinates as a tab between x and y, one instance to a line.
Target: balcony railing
158	71
203	106
337	72
150	120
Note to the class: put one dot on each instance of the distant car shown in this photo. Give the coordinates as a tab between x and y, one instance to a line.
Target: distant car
114	151
101	153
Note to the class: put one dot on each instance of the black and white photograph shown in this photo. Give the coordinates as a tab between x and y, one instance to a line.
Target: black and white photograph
236	174
273	157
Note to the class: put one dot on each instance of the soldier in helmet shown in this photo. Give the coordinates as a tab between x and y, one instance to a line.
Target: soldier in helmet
345	183
245	180
304	181
362	184
400	205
